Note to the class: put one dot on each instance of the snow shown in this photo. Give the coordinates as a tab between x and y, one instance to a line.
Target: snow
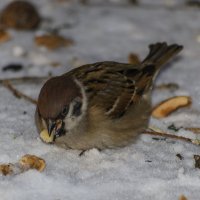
148	169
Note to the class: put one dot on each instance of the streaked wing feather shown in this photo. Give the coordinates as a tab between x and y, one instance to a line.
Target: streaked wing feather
116	96
108	86
114	86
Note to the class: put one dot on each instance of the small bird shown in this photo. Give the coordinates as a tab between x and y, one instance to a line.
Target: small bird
101	105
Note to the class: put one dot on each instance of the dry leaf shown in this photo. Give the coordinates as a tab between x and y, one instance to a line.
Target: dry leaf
53	41
170	105
4	36
6	169
134	59
21	15
32	162
25	163
182	197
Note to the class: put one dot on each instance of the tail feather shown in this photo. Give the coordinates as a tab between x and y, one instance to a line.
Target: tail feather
161	53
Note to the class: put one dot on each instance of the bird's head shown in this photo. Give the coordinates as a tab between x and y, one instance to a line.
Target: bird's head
61	106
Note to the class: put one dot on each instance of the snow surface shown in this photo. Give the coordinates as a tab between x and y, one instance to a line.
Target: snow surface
148	169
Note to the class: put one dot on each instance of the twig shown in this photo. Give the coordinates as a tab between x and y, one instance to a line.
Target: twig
17	93
25	78
169	86
195	130
152	132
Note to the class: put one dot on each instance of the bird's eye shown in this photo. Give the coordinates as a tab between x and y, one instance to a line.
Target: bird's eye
65	110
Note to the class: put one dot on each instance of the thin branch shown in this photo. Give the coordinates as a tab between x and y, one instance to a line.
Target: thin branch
195	130
167	86
152	132
17	93
25	78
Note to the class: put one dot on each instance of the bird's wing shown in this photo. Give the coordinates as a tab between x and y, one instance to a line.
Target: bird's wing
115	86
109	85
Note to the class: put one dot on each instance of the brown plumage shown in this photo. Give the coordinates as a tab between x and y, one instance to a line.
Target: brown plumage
55	99
108	103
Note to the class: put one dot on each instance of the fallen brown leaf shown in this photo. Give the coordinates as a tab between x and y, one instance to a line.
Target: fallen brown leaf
4	36
53	41
133	59
32	162
182	197
170	105
25	163
6	169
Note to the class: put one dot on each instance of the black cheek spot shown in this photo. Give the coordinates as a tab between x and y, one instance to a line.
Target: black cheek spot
65	111
60	132
77	109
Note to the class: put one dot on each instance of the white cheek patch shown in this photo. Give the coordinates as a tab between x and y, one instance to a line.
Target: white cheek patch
70	110
70	123
84	99
71	120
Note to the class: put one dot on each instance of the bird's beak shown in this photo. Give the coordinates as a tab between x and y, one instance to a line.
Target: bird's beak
55	128
51	126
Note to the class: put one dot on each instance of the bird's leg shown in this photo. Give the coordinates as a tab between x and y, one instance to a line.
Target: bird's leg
83	151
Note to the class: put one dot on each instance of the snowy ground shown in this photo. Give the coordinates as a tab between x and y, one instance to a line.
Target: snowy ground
148	169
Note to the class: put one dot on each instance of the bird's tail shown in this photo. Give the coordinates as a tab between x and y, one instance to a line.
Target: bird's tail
161	53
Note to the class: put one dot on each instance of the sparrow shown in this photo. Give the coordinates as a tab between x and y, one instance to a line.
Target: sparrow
100	105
